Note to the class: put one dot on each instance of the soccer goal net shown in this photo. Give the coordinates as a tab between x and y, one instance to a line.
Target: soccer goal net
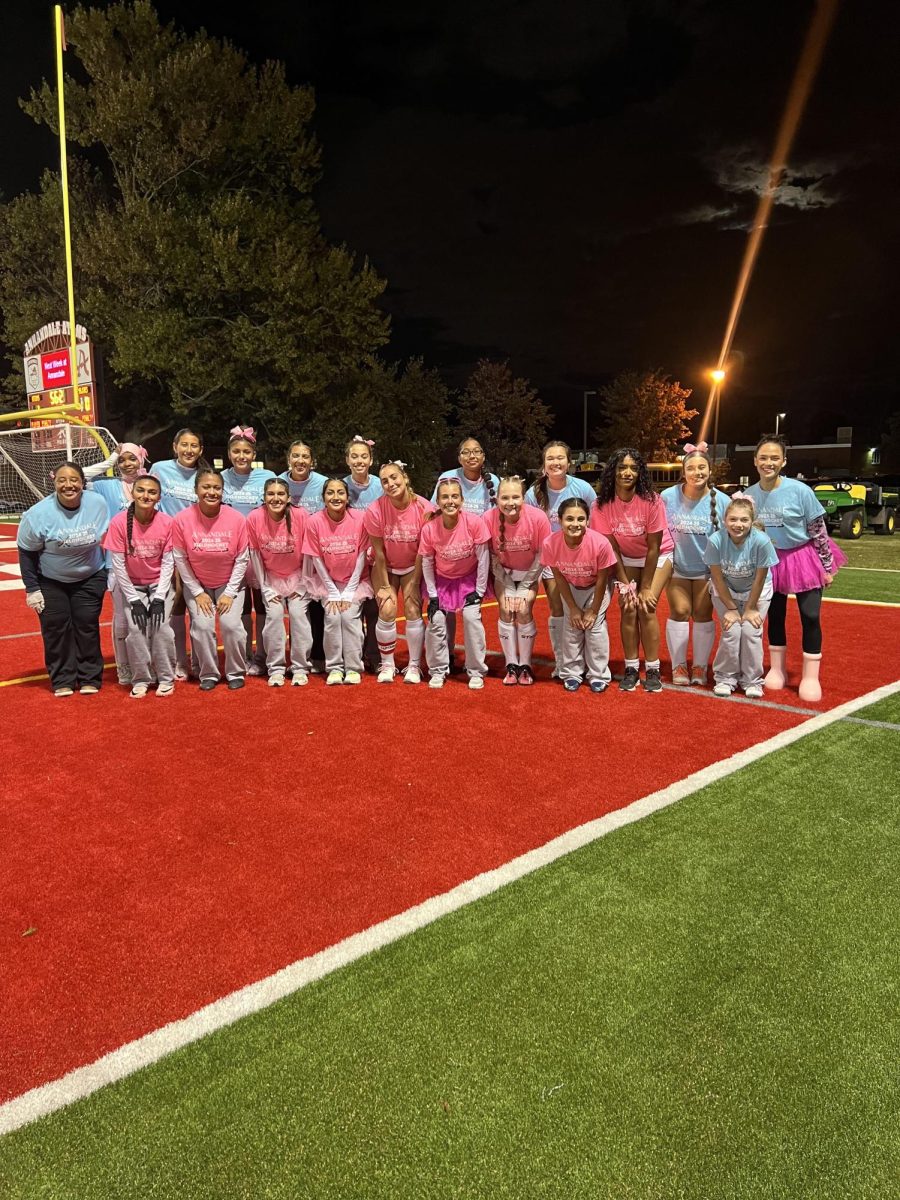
28	458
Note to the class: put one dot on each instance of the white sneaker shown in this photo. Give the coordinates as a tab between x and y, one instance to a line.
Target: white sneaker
386	675
300	679
723	689
753	692
476	683
276	680
334	677
166	689
412	675
351	677
436	681
255	669
139	691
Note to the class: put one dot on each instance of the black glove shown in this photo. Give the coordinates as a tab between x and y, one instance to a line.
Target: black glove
434	607
139	614
472	598
157	612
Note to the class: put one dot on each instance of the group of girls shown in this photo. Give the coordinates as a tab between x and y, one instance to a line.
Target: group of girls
340	558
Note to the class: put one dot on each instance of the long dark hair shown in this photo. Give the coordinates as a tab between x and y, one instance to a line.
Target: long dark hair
129	520
540	484
710	487
485	472
287	511
606	490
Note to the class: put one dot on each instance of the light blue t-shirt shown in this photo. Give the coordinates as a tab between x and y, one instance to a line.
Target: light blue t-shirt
573	487
740	563
362	497
786	511
476	497
67	539
690	524
112	491
243	493
306	495
177	486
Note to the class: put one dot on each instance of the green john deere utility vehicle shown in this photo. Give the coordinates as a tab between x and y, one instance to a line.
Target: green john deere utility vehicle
852	505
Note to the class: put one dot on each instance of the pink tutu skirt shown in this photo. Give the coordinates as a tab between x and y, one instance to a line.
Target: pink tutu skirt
801	570
452	592
287	585
313	586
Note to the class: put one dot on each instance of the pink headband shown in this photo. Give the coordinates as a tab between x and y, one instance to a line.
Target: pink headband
700	448
133	448
365	441
245	433
744	496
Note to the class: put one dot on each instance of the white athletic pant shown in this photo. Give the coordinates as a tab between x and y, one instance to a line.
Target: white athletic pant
120	627
739	659
275	639
343	638
585	652
437	646
156	647
203	636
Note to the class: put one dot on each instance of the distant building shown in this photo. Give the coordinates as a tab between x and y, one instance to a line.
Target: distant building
839	457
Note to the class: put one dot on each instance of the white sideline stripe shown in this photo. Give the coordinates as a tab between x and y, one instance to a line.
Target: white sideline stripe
144	1051
877	570
10	568
12	585
868	603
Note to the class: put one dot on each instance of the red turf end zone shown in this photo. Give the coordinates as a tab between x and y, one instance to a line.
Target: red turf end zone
164	853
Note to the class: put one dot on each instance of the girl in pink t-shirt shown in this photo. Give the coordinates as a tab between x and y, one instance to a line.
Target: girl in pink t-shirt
518	531
580	560
276	533
455	564
335	545
211	553
630	513
393	523
139	541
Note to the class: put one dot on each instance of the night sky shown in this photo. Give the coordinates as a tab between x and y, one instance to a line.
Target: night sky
569	185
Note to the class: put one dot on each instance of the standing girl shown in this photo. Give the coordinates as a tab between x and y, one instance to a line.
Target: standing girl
693	511
210	543
580	559
335	543
143	562
739	557
455	564
553	485
63	569
517	531
807	562
306	484
364	489
276	534
629	513
393	524
178	477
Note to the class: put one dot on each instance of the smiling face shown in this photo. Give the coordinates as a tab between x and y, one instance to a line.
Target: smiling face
510	499
276	498
573	520
335	497
129	464
449	498
300	461
738	521
359	459
627	474
145	493
209	492
395	483
187	449
241	453
68	486
471	458
695	470
556	462
769	461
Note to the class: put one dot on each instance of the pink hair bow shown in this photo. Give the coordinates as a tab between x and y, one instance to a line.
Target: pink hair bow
625	588
133	448
365	441
701	447
243	431
744	496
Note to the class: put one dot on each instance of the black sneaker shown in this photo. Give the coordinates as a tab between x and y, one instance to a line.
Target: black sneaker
630	679
652	681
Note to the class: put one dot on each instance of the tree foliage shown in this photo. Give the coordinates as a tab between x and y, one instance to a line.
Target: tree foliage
503	411
647	410
201	268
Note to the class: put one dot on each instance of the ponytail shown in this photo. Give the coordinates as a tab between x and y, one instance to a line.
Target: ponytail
129	530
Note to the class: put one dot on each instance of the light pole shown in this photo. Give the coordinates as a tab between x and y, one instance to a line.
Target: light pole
585	410
779	417
717	377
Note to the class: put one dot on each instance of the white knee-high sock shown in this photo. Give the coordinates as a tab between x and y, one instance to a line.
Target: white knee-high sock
415	640
556	625
527	634
704	636
507	632
386	636
677	634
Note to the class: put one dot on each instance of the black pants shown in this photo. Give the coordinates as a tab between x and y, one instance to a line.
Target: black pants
810	605
317	625
70	628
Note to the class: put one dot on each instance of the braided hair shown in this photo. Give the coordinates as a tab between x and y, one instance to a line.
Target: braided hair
129	518
711	491
541	493
606	489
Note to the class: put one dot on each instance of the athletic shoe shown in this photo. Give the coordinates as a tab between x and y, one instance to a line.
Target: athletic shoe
88	689
698	676
412	675
723	689
235	685
680	675
629	680
436	681
63	691
139	691
526	677
255	669
598	686
571	685
182	674
511	678
386	675
166	689
334	677
300	679
753	692
476	683
353	677
276	680
652	681
207	685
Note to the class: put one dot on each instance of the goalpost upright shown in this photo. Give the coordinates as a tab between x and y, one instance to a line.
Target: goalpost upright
64	176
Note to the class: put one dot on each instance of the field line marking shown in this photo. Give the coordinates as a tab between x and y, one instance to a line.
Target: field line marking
144	1051
873	724
877	570
867	603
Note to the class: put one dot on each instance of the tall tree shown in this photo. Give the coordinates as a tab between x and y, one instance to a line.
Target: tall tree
647	410
503	411
201	268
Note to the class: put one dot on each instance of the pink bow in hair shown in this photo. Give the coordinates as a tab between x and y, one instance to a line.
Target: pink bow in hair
701	448
365	441
241	431
744	496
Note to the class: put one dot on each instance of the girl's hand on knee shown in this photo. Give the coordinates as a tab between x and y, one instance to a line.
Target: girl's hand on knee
730	617
333	607
588	617
752	617
646	600
205	604
223	604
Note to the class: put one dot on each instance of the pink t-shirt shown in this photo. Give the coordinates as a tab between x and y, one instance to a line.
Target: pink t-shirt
453	550
337	543
630	523
281	552
210	544
522	540
150	543
399	528
579	565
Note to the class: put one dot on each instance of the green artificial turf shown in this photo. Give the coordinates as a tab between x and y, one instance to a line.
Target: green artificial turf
884	710
704	1004
866	585
872	550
